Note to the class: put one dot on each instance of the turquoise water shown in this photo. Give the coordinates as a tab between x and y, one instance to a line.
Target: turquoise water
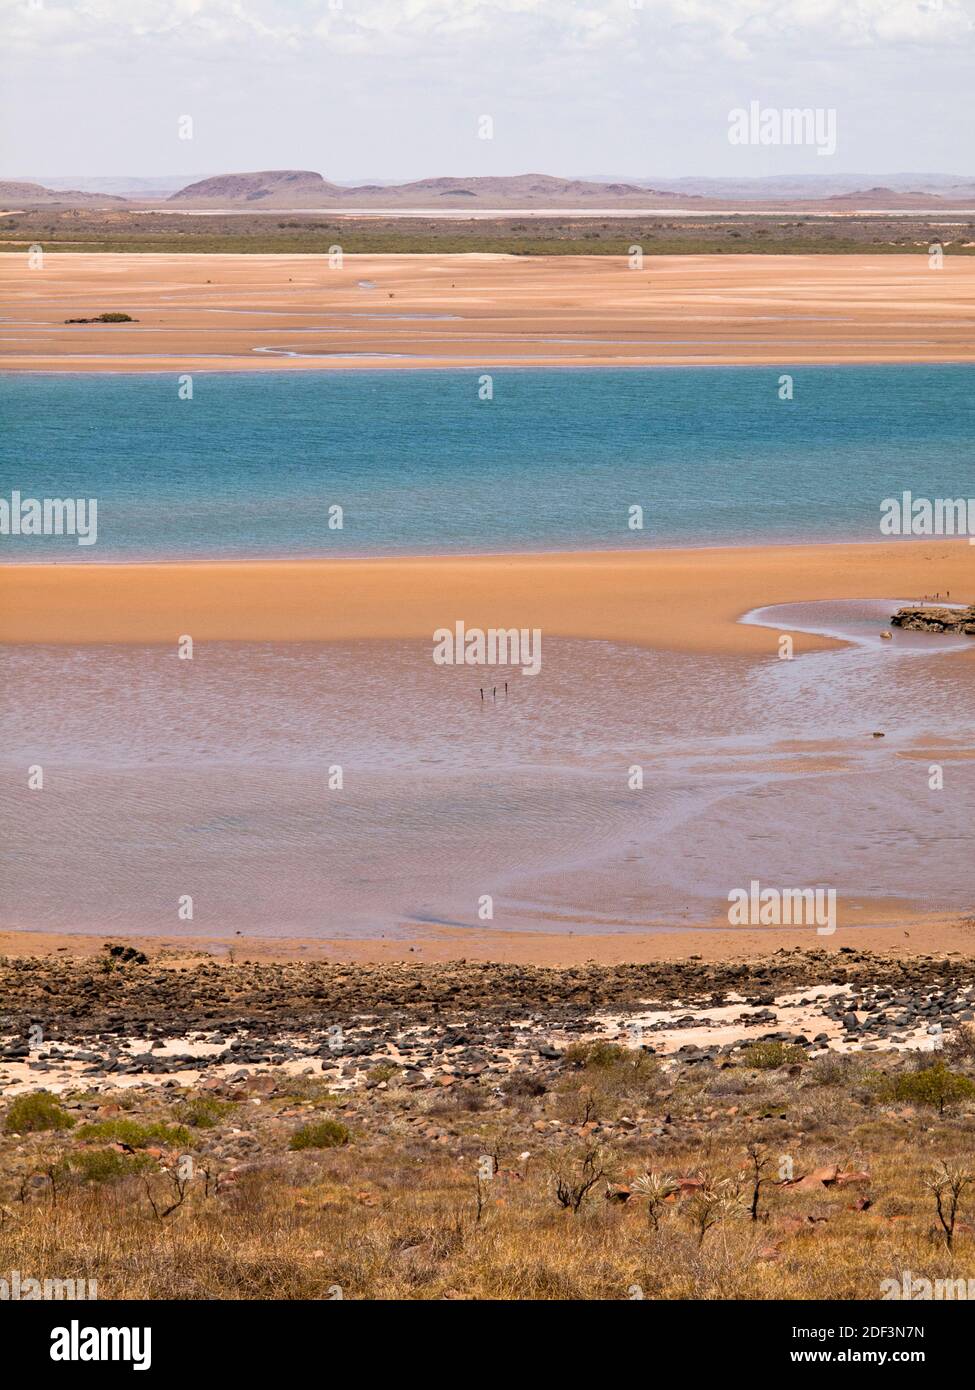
250	466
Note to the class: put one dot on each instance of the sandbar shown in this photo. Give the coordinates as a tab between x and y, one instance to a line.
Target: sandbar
678	600
204	313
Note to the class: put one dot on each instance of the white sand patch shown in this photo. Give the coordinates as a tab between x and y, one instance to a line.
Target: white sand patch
739	1022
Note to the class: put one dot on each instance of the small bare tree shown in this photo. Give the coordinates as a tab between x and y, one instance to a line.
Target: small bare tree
572	1189
946	1183
180	1182
759	1158
54	1171
588	1108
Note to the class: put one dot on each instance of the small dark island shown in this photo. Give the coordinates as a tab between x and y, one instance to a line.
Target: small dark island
106	318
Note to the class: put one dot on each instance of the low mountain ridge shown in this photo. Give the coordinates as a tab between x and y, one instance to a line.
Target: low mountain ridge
305	189
297	187
19	193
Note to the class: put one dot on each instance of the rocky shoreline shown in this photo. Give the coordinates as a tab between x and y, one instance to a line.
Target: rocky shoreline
67	1022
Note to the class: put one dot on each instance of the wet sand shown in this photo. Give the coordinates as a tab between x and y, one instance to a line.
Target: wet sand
907	935
676	600
266	312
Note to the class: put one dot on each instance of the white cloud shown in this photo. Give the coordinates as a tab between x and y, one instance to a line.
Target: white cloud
393	87
395	25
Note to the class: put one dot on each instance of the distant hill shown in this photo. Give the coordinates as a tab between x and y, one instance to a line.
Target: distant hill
805	187
33	195
891	198
294	188
273	187
283	189
302	188
525	186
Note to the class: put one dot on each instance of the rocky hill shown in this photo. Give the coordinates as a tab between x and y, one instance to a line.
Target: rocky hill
278	187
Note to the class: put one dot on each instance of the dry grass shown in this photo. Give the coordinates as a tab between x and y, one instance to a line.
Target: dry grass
396	1213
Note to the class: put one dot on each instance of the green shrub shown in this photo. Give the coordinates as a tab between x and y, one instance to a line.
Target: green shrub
600	1080
203	1112
136	1136
383	1071
936	1085
601	1056
304	1090
766	1056
320	1134
108	1165
37	1111
125	1100
114	318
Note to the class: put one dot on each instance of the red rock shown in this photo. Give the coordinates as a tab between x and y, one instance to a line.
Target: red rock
809	1222
852	1179
810	1182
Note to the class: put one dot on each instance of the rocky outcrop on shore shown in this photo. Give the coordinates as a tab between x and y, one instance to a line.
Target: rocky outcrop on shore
925	618
63	1020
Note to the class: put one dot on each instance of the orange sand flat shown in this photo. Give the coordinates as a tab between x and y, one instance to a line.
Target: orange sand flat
680	600
210	312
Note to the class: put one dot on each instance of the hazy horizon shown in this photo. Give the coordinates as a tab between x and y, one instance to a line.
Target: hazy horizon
643	179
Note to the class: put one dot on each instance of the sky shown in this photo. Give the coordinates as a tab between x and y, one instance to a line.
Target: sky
397	89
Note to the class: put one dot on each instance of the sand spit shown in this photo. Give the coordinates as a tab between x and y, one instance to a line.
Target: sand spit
678	600
295	312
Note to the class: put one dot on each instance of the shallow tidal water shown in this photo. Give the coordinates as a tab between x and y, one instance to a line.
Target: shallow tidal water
212	778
